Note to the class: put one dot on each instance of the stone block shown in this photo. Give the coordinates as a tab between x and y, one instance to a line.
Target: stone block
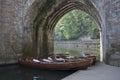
115	56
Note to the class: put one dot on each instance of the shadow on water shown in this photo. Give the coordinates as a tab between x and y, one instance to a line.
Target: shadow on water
17	72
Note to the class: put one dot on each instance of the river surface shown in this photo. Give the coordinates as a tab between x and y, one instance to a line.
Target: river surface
17	72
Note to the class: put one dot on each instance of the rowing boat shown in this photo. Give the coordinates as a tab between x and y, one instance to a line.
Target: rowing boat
59	63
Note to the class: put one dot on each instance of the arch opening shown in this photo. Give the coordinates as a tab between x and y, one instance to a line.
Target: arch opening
46	23
76	33
55	17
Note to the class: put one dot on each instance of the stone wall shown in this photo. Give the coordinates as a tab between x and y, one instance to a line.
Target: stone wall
112	12
16	30
26	26
29	33
7	31
11	30
78	44
92	46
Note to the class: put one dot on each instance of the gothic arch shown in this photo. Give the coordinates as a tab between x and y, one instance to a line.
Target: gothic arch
45	16
64	8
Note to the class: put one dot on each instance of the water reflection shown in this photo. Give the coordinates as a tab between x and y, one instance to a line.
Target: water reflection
37	78
16	72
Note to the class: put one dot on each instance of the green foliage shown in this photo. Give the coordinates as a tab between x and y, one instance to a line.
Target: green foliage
75	24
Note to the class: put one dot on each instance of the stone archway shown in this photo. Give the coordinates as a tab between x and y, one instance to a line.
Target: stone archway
42	17
46	14
32	22
46	18
62	10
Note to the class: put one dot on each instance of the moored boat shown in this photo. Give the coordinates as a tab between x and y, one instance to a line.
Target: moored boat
55	63
90	56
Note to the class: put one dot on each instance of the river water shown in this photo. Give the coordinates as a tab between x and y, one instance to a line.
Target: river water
17	72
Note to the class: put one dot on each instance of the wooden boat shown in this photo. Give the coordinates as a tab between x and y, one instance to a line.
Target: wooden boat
55	64
91	56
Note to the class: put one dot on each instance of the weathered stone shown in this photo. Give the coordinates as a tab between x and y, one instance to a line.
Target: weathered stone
115	56
26	26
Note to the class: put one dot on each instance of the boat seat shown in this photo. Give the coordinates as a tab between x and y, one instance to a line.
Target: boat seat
47	60
36	60
70	57
50	58
60	59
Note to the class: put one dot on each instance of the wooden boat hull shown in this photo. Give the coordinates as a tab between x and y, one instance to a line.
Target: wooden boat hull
82	64
90	57
93	58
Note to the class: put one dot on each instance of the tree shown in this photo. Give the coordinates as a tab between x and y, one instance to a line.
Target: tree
75	24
